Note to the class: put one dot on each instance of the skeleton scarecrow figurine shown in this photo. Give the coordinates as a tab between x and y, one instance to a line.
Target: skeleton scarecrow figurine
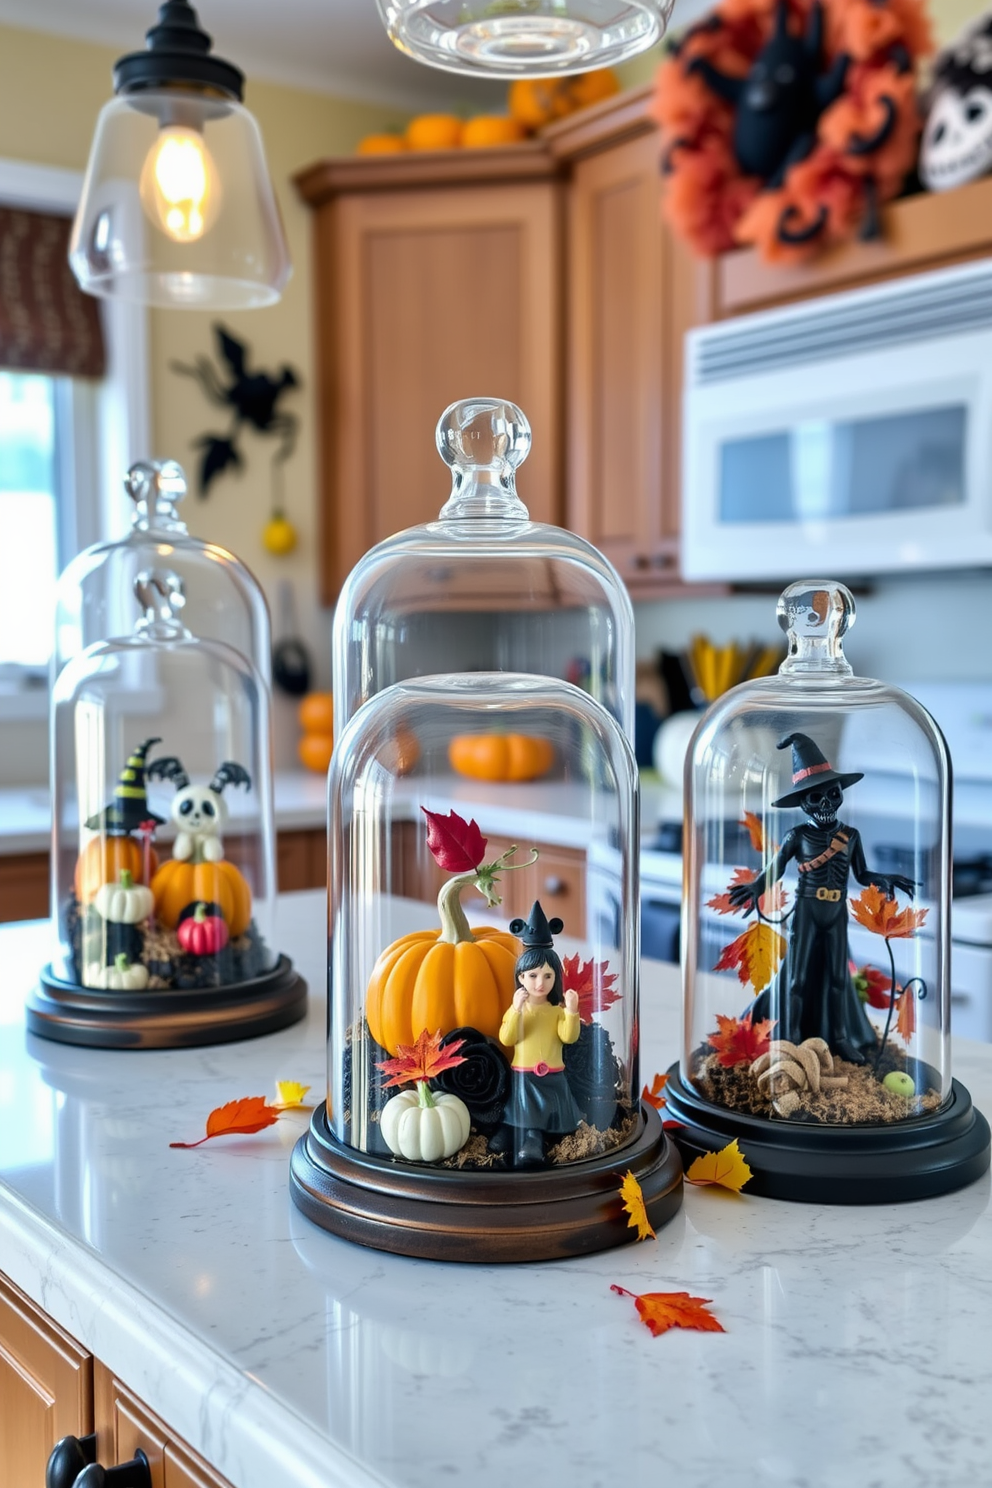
957	137
815	997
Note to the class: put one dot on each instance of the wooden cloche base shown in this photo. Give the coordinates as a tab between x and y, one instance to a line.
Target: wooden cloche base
163	1019
446	1214
915	1159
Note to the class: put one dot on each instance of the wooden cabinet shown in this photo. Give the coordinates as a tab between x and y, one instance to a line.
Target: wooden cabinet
24	886
50	1387
301	859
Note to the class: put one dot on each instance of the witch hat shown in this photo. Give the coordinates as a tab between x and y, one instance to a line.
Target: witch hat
129	807
810	768
538	930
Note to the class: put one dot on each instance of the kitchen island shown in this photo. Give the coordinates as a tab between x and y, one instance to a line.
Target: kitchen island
857	1347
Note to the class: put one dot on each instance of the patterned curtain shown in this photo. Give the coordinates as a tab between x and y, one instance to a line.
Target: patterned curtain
47	324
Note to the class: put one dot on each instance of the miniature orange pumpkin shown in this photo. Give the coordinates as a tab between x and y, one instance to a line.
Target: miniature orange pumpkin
539	101
434	132
177	884
381	144
492	129
500	756
315	751
103	860
316	713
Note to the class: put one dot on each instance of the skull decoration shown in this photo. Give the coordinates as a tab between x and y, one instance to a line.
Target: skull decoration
198	811
957	137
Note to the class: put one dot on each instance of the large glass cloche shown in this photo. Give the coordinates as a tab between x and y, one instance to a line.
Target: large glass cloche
483	588
815	952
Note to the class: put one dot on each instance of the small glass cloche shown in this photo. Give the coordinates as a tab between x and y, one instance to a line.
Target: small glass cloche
815	948
483	1089
163	882
224	601
484	588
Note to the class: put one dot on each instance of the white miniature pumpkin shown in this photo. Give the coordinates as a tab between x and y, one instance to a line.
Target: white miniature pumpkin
124	902
423	1127
123	976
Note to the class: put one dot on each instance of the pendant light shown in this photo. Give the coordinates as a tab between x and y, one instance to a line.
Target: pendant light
524	38
177	208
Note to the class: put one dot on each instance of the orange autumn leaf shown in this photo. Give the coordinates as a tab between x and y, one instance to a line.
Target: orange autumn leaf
654	1097
738	1041
881	914
906	1016
246	1116
725	1168
721	902
756	955
755	830
660	1311
422	1061
633	1202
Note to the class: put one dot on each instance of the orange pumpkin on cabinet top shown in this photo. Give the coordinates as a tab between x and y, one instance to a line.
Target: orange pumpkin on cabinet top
500	757
177	884
539	101
434	132
316	717
381	144
488	130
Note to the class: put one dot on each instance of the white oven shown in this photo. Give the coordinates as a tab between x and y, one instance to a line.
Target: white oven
851	434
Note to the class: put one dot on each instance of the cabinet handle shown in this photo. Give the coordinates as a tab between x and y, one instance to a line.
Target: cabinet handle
640	560
72	1465
554	885
664	560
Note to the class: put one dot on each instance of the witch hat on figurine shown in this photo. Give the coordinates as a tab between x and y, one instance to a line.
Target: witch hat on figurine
129	807
538	930
810	768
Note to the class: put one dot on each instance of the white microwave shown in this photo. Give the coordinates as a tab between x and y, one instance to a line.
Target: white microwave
847	435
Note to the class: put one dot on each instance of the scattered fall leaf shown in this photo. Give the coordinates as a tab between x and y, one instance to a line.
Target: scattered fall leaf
772	901
739	1041
422	1061
246	1116
755	955
290	1093
906	1016
660	1311
726	1168
457	846
755	829
654	1097
881	913
633	1202
593	981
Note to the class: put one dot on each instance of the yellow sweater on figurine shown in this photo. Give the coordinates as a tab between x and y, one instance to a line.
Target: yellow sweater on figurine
536	1035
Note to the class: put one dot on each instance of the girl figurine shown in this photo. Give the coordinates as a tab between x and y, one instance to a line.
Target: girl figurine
540	1020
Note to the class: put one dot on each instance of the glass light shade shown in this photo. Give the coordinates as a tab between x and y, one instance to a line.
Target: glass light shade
524	38
177	208
223	599
483	588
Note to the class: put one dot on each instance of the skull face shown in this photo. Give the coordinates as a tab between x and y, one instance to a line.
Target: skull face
822	802
957	139
198	810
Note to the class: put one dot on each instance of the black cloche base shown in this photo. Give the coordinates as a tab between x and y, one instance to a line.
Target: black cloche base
446	1214
915	1159
162	1019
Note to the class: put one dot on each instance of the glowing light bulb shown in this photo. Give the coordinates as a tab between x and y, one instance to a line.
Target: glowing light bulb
180	188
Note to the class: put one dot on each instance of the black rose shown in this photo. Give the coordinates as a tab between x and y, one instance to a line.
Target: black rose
593	1074
482	1081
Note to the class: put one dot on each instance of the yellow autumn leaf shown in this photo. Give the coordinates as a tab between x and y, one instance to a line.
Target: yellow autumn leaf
290	1093
633	1202
726	1168
756	955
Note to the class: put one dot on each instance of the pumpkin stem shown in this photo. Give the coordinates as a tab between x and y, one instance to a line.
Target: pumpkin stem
127	878
455	927
424	1098
121	962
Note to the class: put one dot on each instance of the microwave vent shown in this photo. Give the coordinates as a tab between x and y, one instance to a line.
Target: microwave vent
931	305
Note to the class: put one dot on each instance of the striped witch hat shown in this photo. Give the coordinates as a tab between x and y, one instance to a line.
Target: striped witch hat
129	807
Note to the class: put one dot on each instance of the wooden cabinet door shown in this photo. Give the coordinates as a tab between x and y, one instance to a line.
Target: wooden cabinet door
124	1423
24	886
46	1388
427	296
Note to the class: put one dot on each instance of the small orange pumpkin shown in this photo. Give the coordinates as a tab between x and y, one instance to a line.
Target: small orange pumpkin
103	860
177	884
500	756
539	101
381	144
315	751
487	130
434	132
316	713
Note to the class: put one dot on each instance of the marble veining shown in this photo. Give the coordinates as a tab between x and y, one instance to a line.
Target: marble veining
858	1350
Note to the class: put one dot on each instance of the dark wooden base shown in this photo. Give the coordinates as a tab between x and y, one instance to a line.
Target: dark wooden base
163	1019
447	1214
915	1159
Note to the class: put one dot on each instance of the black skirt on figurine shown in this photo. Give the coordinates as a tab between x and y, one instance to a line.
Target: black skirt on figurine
541	1102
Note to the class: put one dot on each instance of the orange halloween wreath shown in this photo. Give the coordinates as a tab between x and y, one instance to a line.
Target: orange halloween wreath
786	122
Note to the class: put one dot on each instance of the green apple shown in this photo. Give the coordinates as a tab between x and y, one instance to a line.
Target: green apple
899	1083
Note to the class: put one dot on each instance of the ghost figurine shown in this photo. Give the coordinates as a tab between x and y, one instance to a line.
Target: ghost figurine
957	138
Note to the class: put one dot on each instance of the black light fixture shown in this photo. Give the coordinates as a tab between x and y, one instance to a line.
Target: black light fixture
177	207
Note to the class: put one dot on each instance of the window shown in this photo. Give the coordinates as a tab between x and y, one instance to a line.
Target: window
29	502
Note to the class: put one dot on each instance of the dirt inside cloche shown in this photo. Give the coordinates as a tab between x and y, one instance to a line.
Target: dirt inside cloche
864	1100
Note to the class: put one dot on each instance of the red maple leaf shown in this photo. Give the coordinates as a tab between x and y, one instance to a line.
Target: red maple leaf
423	1061
457	846
594	983
872	985
739	1041
660	1311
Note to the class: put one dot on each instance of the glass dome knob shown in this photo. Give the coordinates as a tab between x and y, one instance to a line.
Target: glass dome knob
161	595
483	440
815	615
155	486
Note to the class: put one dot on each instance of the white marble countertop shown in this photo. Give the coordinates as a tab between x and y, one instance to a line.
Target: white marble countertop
858	1343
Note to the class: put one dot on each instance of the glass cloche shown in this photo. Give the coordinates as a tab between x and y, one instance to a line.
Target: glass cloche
163	881
483	1089
224	601
815	948
484	588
